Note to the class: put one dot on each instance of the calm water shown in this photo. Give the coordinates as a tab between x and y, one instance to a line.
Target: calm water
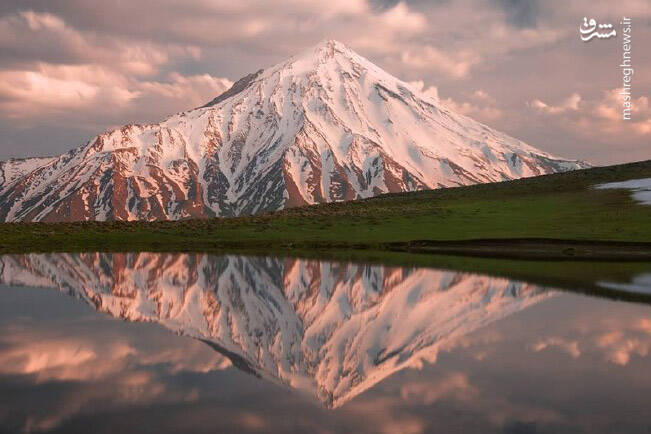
243	344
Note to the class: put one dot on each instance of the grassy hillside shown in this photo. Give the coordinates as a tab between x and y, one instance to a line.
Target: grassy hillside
561	206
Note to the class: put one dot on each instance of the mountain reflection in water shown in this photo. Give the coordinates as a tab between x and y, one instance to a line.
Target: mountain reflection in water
333	329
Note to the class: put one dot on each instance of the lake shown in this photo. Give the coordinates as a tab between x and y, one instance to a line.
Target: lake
162	342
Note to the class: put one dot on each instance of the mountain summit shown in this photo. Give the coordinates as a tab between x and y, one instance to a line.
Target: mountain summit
327	328
326	125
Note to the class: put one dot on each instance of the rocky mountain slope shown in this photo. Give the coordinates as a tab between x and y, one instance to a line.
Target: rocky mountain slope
326	125
333	329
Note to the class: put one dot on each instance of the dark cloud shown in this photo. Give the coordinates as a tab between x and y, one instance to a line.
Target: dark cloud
387	4
520	13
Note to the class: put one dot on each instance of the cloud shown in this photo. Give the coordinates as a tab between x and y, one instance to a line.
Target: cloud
429	57
614	339
140	48
74	90
482	95
51	355
483	108
454	386
98	365
520	13
386	416
430	91
32	37
570	347
619	346
37	21
55	75
62	360
38	91
608	110
601	115
571	103
196	89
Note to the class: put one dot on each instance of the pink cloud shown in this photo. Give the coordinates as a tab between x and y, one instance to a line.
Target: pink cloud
48	89
419	86
571	103
455	386
455	64
619	347
570	347
484	110
609	111
476	49
602	115
614	339
49	356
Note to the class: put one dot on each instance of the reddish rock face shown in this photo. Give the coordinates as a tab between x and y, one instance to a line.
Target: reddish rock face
324	126
335	329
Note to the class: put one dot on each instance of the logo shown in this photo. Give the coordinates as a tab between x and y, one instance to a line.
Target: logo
589	30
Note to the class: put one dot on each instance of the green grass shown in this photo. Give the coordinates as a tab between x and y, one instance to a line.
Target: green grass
574	276
560	206
551	211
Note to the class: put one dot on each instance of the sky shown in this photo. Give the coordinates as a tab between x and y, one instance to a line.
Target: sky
71	69
77	368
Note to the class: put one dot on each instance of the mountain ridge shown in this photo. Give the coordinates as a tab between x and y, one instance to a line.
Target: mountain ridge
333	329
326	125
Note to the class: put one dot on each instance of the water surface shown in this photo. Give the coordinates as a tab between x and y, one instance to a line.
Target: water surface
224	343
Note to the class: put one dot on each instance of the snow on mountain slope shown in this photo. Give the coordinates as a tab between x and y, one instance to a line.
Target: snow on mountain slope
327	125
16	168
334	329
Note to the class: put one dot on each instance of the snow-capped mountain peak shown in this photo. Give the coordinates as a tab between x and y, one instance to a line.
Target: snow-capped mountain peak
325	125
333	329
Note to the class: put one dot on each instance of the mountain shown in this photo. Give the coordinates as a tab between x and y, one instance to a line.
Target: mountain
327	125
333	329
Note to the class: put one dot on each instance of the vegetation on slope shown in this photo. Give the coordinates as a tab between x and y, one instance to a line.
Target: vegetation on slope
556	217
560	206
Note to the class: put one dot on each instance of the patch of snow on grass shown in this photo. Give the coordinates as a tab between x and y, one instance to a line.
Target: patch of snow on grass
641	284
641	188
